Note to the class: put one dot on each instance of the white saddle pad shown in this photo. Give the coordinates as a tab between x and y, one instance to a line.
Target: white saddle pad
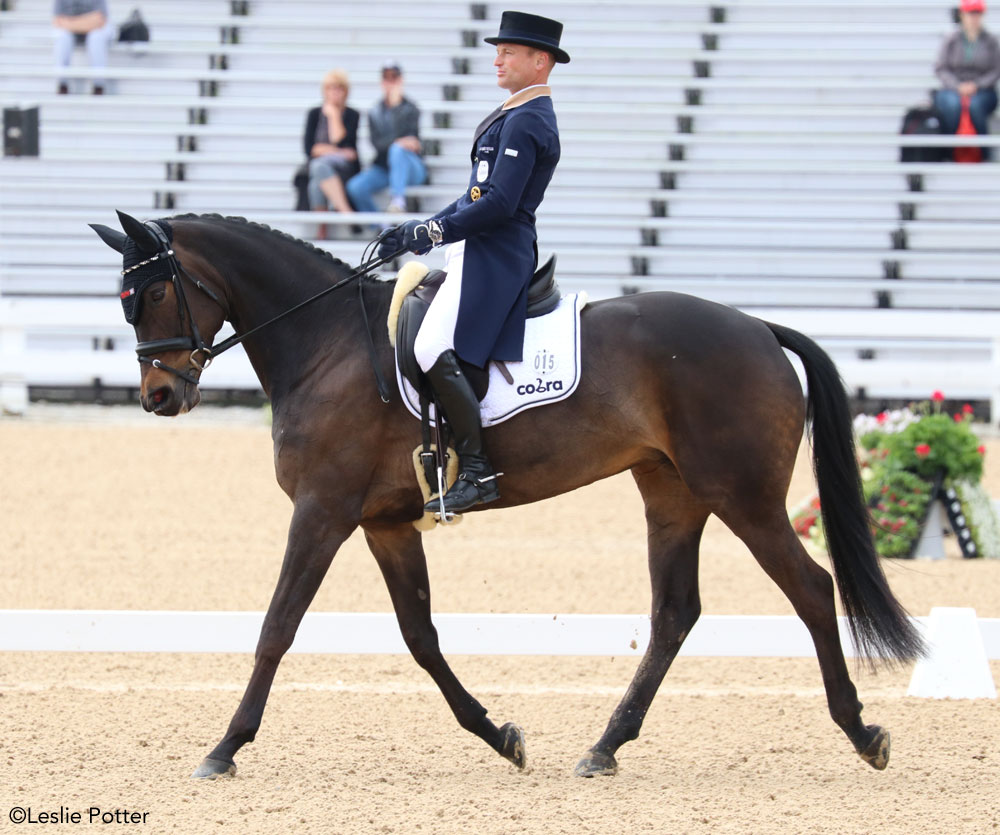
549	372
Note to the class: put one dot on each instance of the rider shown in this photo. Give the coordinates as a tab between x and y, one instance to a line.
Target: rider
478	314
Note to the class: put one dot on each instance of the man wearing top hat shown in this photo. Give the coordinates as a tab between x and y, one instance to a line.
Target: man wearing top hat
478	314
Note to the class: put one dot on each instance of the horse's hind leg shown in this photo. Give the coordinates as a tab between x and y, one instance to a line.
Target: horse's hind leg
313	540
675	520
400	556
809	587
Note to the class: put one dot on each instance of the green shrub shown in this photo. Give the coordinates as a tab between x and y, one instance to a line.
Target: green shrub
903	455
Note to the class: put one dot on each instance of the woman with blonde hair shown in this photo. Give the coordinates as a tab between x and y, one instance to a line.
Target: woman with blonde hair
331	144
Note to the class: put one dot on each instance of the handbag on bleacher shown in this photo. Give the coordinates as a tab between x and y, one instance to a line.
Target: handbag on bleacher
921	121
134	29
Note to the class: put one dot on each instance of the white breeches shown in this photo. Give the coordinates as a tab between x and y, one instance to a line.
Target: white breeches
437	331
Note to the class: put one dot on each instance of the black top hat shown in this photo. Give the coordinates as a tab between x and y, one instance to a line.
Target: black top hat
531	30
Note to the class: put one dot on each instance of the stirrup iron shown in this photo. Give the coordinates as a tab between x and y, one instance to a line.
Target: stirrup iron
443	516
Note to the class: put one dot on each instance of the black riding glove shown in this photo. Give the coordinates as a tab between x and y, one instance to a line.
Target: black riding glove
416	236
389	244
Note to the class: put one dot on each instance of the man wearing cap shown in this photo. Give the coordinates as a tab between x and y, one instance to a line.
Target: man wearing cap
478	314
393	127
968	66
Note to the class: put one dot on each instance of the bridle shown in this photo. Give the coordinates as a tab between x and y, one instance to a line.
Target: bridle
202	354
193	341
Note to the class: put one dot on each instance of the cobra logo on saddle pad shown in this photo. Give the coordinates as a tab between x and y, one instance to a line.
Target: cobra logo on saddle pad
550	371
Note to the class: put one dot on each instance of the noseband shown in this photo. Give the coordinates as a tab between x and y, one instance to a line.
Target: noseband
202	354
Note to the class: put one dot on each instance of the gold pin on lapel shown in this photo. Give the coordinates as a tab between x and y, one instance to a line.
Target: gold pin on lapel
475	193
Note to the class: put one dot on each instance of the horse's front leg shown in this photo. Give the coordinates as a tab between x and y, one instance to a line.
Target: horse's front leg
313	540
400	556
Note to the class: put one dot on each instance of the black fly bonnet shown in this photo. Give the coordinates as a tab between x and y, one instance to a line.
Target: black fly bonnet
140	270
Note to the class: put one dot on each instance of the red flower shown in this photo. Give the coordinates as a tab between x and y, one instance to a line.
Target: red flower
804	523
922	450
967	409
937	396
958	417
981	449
881	417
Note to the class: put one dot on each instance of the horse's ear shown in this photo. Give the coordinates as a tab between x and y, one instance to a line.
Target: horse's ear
143	236
112	237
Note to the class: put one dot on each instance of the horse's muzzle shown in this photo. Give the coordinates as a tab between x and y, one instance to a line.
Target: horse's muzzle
171	399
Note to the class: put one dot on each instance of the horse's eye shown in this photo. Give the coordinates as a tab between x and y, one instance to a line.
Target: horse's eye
158	294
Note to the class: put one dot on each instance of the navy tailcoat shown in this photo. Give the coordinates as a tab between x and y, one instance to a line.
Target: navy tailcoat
514	154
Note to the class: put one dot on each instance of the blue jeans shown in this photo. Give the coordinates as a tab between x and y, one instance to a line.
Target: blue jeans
405	169
97	41
948	104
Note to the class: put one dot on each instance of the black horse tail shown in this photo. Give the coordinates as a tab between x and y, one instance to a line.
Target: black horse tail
878	623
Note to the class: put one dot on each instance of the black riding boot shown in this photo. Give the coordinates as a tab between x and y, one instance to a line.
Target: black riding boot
477	481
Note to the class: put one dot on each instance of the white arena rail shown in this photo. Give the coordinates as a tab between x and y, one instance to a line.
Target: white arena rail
956	667
746	636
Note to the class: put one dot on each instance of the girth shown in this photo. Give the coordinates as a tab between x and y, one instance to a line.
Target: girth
543	297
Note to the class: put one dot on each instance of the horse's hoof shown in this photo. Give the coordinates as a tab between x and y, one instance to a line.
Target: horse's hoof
512	747
596	764
212	769
876	754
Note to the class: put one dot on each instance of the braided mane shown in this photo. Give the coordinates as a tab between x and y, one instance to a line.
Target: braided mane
263	227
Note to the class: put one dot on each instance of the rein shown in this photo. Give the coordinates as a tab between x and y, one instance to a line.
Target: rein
202	354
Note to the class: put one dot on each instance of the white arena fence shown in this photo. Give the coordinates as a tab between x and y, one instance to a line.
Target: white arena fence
957	666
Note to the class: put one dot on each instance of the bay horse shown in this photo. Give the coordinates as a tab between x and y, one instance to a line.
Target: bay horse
696	399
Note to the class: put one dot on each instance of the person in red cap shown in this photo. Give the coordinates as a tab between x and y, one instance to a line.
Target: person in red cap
968	67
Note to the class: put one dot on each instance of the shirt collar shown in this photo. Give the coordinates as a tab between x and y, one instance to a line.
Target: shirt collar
527	94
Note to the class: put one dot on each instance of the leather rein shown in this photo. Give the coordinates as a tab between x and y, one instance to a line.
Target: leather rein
202	354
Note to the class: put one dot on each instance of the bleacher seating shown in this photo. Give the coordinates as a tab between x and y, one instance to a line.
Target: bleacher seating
745	151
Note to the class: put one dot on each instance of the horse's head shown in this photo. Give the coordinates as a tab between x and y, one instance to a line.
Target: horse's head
175	314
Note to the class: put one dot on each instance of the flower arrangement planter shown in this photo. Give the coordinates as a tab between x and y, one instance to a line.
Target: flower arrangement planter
911	459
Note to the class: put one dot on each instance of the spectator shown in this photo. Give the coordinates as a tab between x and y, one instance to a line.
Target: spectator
331	144
968	67
394	127
86	22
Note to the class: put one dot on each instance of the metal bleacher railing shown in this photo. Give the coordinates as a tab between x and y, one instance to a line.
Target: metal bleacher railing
745	151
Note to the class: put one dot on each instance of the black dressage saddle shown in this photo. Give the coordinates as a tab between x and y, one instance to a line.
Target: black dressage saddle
543	297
